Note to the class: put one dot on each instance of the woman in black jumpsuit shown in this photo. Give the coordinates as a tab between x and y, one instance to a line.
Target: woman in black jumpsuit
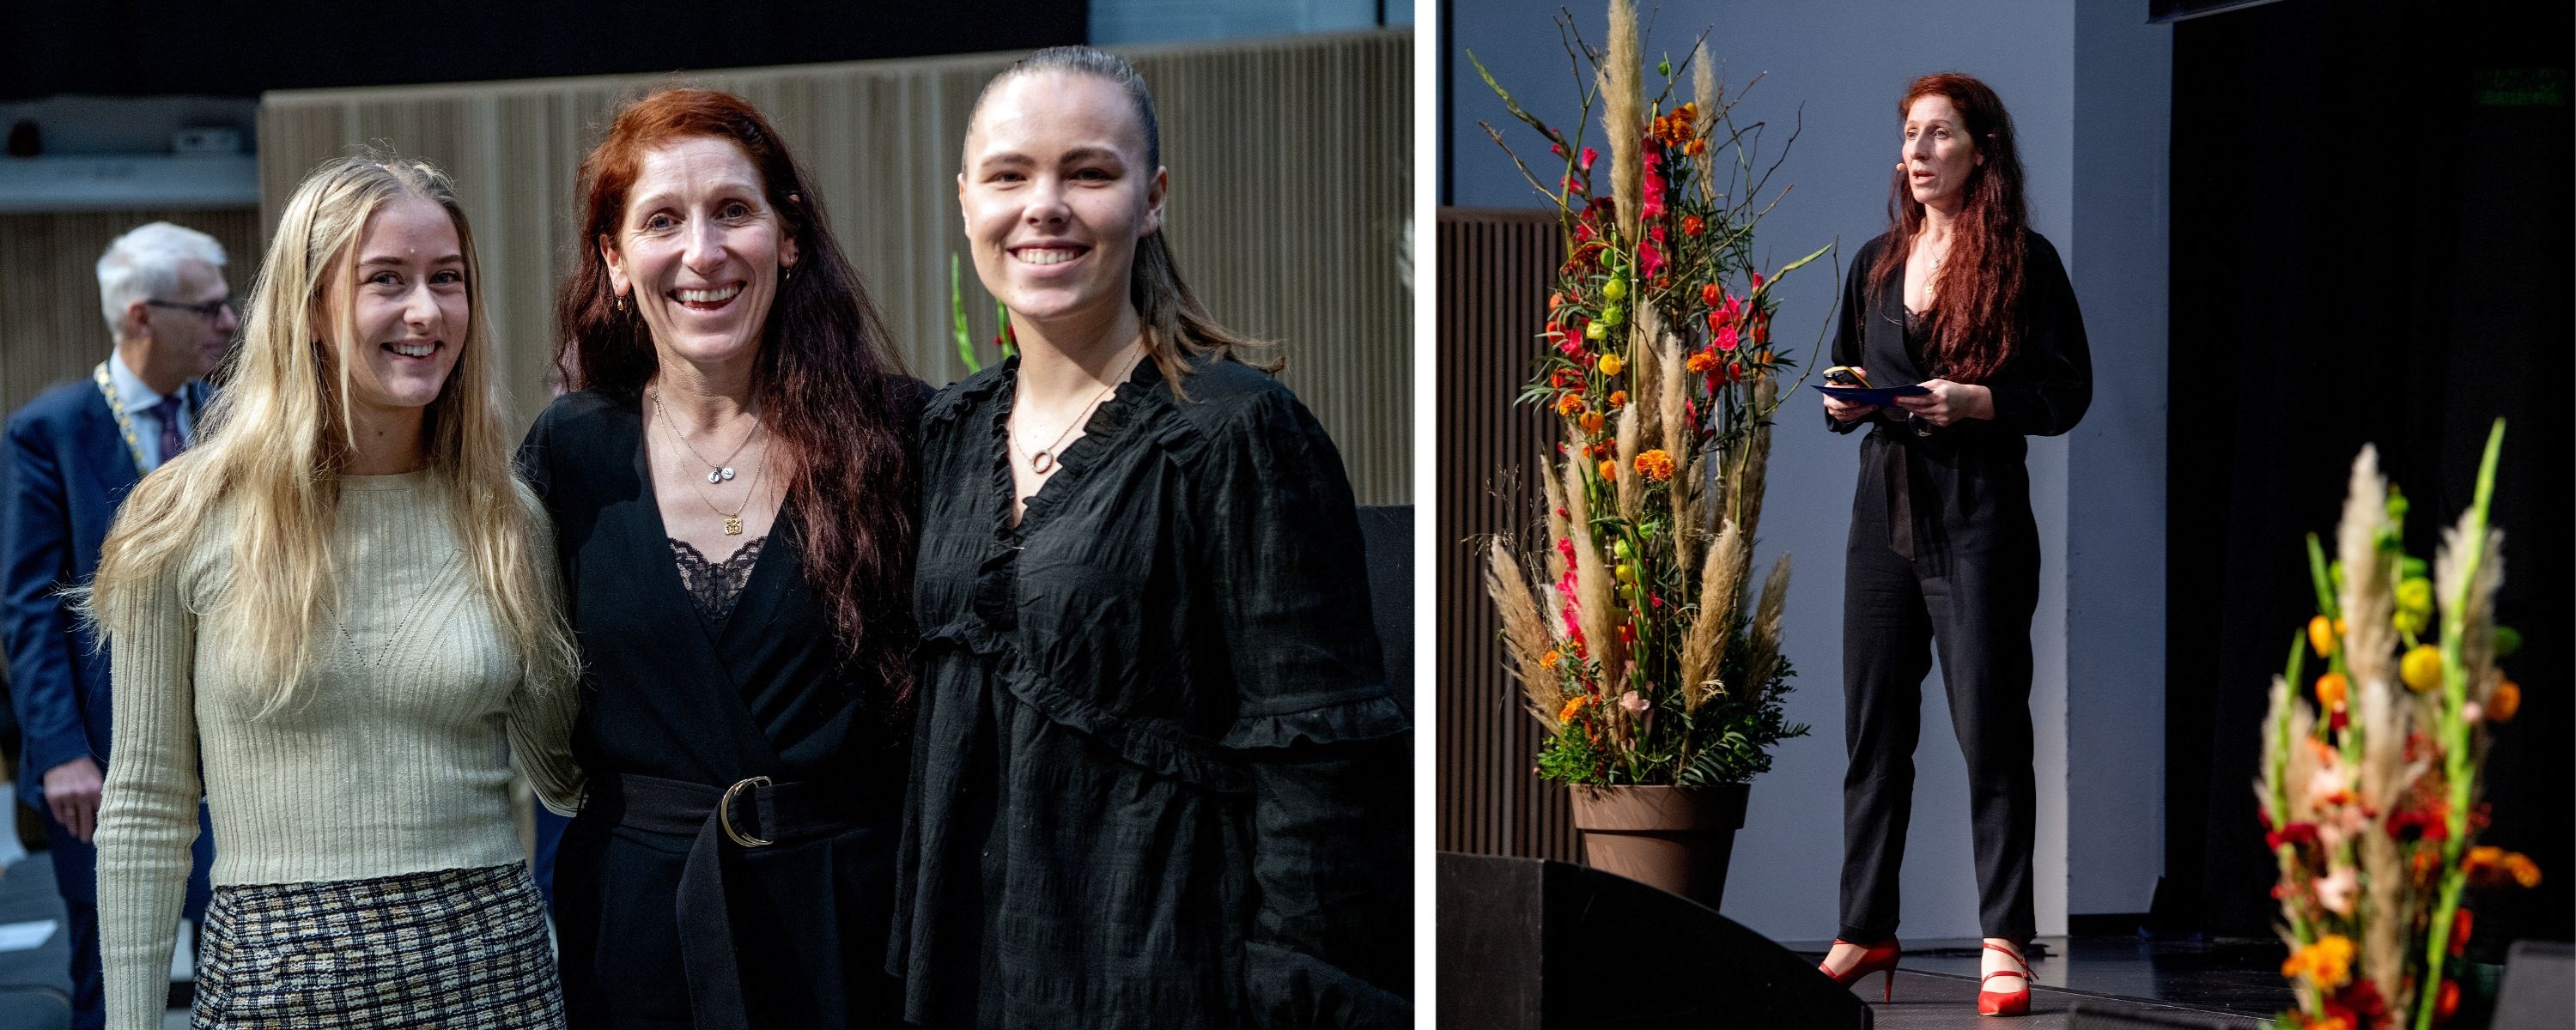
1963	298
732	486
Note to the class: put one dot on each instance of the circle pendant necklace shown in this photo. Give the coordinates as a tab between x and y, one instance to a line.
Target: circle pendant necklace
1042	460
717	471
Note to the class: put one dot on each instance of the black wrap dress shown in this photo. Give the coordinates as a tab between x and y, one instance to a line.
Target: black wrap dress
1158	778
1943	548
668	695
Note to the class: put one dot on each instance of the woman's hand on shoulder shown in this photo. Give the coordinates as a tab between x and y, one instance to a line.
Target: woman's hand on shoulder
1950	403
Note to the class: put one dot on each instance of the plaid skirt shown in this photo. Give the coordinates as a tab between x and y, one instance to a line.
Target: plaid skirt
455	948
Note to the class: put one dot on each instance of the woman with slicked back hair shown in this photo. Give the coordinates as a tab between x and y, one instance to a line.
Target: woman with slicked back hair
336	619
1962	298
732	477
1158	778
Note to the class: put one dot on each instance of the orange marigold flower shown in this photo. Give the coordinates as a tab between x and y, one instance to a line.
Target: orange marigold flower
2327	963
1549	660
1618	399
1609	470
2331	691
1701	364
1695	147
2505	700
1655	465
1570	405
1573	705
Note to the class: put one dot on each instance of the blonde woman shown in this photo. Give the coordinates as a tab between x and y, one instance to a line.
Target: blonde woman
340	607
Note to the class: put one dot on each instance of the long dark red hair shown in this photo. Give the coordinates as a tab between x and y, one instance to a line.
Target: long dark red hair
828	384
1978	292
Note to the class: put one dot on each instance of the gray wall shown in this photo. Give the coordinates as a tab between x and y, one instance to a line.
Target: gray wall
2088	92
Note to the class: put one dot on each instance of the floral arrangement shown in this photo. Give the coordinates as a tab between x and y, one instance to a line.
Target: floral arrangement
1639	651
1004	340
2370	775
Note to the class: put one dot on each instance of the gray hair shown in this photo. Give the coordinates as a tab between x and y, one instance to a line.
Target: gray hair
144	264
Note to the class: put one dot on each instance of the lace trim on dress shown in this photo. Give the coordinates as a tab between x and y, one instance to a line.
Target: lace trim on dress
713	586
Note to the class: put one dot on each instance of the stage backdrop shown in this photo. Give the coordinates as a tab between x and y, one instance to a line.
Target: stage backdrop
1290	188
2088	87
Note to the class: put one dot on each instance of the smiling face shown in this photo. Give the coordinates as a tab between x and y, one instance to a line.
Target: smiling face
1938	153
1057	190
699	251
408	302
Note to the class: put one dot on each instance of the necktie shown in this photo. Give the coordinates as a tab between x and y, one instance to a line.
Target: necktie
171	443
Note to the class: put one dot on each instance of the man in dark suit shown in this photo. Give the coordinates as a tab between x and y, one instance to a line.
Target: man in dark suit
70	457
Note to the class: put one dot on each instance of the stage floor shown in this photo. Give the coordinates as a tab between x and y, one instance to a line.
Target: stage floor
2218	985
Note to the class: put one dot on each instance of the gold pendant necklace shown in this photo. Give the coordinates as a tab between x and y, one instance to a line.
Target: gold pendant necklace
1042	460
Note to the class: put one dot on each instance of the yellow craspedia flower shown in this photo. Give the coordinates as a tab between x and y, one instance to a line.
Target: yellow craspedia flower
2421	668
1610	364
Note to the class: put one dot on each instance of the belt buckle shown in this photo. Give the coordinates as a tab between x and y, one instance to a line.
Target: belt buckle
724	813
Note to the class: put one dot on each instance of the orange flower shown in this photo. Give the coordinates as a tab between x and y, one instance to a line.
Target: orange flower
2489	866
1691	225
1618	399
1573	705
1570	405
1709	294
1592	421
2504	701
1549	660
1695	147
1609	470
2331	690
2327	963
2447	1004
1701	364
1655	465
2321	635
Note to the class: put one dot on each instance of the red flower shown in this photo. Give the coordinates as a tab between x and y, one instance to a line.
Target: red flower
1653	206
1757	282
1649	260
1726	337
1691	225
2295	833
1708	293
1589	155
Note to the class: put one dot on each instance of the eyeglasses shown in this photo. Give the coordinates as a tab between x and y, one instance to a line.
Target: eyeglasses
208	309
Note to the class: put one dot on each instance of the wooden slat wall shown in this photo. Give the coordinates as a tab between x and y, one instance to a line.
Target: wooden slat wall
1289	194
50	326
1496	268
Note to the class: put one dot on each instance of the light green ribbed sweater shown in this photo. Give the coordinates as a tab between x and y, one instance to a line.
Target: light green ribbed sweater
394	759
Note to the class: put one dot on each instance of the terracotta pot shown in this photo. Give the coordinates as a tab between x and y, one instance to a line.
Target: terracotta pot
1676	839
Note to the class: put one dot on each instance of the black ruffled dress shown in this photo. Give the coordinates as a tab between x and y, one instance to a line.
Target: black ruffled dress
1158	780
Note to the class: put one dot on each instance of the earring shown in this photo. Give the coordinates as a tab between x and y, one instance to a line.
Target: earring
790	274
617	303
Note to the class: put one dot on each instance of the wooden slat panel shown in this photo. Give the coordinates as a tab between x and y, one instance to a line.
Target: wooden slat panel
1496	268
1290	190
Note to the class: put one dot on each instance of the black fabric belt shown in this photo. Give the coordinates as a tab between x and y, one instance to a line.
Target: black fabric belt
753	813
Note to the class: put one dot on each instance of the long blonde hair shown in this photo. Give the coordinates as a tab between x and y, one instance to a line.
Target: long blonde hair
274	442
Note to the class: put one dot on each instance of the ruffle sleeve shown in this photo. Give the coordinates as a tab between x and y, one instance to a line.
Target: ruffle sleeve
1326	746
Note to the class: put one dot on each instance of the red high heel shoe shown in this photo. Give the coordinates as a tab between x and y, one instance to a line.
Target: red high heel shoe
2000	1003
1874	958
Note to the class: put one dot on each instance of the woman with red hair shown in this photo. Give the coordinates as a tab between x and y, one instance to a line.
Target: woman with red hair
732	482
1962	298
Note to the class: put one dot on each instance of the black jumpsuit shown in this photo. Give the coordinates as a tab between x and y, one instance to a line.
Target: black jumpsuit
1943	548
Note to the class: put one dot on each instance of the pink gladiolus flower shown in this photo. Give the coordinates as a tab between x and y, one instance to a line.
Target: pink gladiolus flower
1634	704
1649	260
1588	155
1726	337
1757	282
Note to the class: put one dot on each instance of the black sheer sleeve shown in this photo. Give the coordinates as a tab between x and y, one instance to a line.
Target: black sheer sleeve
2050	382
1326	745
1847	325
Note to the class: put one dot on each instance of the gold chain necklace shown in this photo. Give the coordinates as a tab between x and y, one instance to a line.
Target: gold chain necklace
717	471
124	423
1042	460
732	519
